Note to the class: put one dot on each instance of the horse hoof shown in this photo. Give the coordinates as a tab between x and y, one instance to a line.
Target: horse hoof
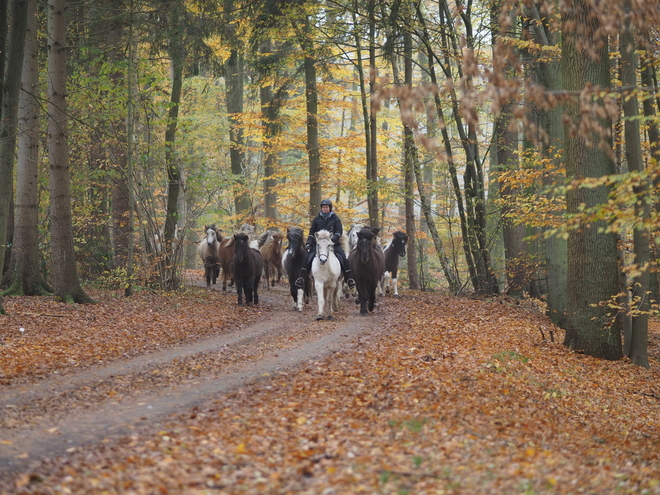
319	317
366	313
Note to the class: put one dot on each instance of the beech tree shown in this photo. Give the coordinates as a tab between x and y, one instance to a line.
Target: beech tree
24	276
65	274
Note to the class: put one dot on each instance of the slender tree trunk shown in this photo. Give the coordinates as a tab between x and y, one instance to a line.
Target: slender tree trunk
506	152
556	248
65	275
270	122
24	276
409	159
9	119
130	134
313	149
372	165
169	272
637	347
234	80
592	256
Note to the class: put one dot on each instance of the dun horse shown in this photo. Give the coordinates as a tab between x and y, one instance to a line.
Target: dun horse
367	263
208	252
271	252
246	266
394	250
292	262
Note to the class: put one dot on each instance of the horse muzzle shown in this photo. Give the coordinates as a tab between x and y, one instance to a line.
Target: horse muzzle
323	258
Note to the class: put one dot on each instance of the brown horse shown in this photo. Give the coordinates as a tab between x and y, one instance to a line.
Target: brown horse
271	252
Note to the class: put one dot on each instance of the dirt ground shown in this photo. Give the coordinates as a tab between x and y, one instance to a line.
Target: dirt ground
189	393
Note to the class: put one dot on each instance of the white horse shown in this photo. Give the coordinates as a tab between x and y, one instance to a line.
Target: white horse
327	274
207	250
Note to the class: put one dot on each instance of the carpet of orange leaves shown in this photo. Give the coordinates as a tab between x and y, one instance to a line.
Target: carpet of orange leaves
451	396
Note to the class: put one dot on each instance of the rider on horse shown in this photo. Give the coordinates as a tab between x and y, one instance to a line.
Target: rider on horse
326	220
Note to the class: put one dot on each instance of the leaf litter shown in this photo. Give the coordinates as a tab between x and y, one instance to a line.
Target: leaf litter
448	396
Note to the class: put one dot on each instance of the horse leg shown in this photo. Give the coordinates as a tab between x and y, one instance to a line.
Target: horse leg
320	295
372	300
395	287
239	291
207	275
216	272
255	297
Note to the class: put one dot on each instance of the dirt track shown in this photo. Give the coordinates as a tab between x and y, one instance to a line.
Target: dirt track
59	414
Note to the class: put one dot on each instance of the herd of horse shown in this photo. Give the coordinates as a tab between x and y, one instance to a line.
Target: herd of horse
243	260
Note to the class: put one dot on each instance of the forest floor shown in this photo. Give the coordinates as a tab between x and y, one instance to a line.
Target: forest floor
188	393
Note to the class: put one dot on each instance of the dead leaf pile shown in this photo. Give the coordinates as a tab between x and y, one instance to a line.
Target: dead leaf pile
449	396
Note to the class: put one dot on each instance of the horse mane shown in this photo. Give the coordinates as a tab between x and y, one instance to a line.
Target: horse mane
323	234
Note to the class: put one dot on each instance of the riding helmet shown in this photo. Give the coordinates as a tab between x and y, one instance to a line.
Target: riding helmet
326	202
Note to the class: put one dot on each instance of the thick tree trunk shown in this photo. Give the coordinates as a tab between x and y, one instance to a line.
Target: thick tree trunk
592	256
65	275
270	106
24	276
9	119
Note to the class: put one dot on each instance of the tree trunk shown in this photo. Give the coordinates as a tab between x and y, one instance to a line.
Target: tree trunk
592	256
65	276
169	275
270	122
372	165
409	159
9	119
637	347
24	277
313	149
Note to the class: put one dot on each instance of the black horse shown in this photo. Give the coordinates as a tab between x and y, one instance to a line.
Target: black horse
246	267
395	249
292	262
367	263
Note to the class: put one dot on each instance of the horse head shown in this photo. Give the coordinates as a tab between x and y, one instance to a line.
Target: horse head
211	234
365	243
324	245
353	234
242	242
400	240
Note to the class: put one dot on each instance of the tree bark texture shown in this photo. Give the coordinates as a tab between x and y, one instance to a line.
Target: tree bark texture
65	274
9	119
592	256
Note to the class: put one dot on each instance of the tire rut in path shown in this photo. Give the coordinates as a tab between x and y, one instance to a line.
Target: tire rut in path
26	446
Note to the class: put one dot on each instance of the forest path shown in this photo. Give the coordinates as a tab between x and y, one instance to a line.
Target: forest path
59	414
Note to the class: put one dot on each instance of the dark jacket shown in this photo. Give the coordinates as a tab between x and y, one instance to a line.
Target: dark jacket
332	224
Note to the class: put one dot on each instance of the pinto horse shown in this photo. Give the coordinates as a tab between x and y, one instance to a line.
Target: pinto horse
292	262
271	252
246	267
394	250
367	263
207	250
326	270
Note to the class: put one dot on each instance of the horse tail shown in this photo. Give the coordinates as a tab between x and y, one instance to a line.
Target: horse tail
343	242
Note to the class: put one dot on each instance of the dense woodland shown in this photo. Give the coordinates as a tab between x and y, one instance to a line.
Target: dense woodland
515	142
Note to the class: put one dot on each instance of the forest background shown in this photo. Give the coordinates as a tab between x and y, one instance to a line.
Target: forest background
515	142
